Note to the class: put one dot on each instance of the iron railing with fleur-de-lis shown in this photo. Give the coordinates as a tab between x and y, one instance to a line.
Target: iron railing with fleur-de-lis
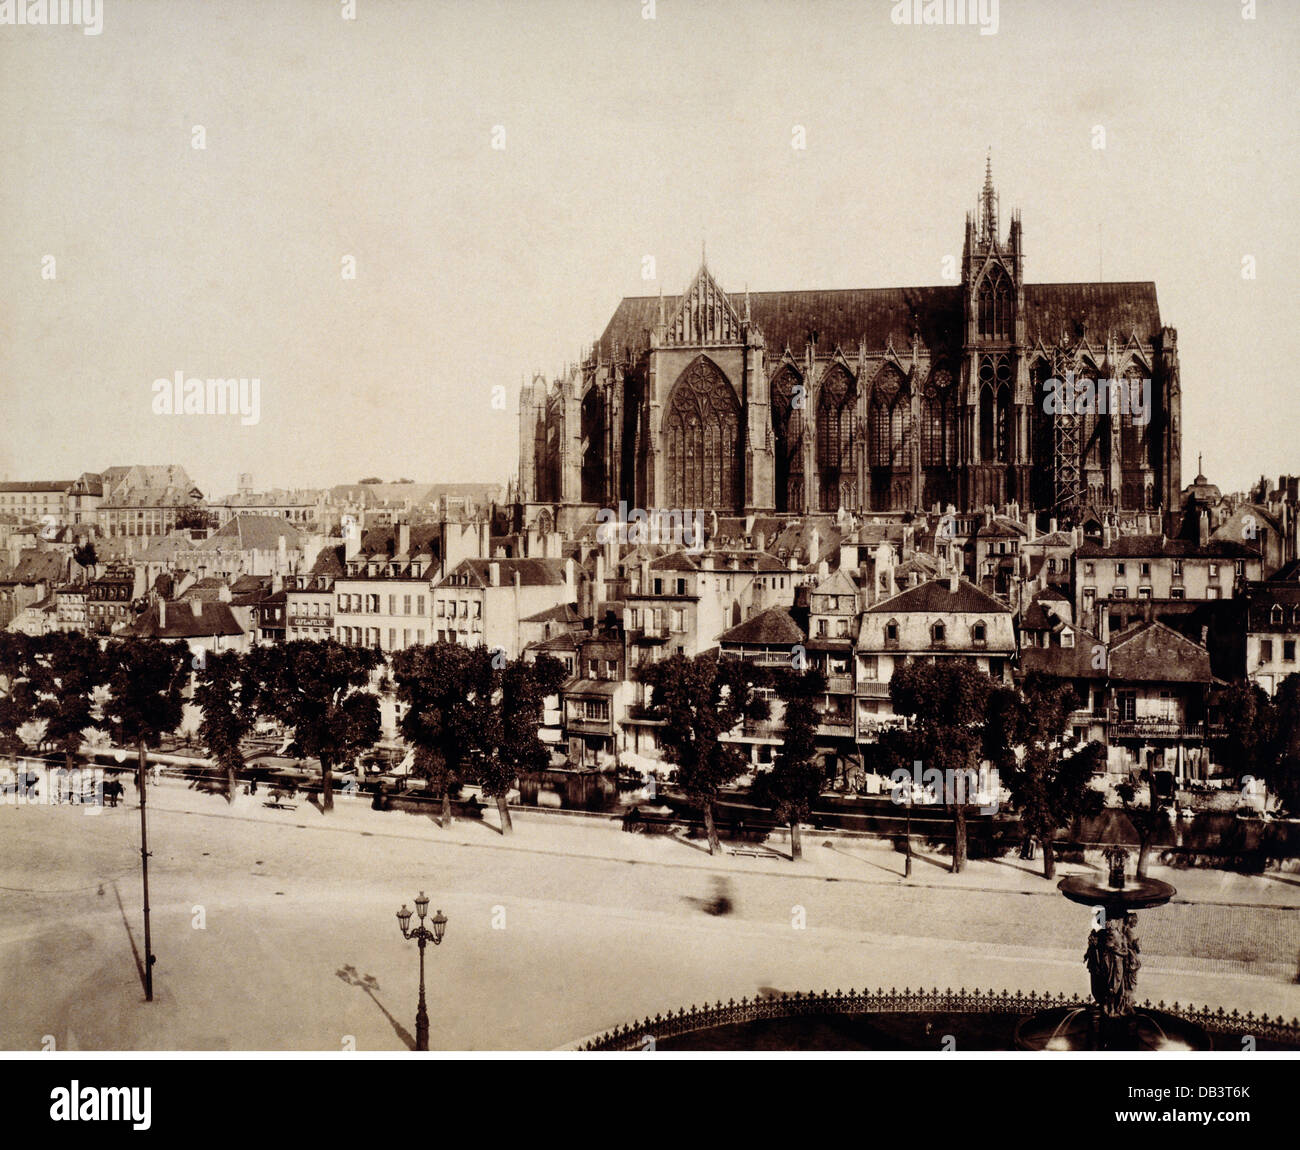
633	1036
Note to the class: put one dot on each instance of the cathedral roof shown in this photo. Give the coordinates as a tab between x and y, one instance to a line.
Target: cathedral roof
884	315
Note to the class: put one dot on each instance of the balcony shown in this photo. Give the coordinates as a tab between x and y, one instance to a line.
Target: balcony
1153	728
873	689
586	726
839	684
837	721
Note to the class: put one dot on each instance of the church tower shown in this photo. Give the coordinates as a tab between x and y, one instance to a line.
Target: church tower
993	431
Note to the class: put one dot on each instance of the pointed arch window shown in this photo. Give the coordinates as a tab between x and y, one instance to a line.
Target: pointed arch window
995	409
788	404
702	439
936	420
996	308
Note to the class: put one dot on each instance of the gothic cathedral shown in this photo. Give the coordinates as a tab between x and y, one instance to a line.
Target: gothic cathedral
874	400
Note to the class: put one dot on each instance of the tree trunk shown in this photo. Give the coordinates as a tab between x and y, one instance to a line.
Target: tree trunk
796	841
711	828
958	838
1144	852
507	827
326	787
232	781
446	806
1049	857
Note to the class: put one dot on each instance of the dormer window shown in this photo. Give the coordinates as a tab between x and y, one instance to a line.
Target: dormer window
979	632
1276	615
1067	638
938	633
891	631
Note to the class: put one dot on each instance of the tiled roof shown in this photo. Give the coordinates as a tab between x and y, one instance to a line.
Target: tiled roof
560	613
836	583
182	623
1158	546
532	572
1053	539
881	315
329	561
771	628
39	485
935	597
426	539
1153	652
1075	662
564	641
253	533
38	567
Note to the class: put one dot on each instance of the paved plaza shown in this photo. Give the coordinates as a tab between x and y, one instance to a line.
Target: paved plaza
275	929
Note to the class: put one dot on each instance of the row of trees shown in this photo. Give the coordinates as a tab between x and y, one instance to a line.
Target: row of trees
471	714
960	719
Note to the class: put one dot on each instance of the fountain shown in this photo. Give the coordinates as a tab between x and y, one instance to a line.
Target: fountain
1111	1021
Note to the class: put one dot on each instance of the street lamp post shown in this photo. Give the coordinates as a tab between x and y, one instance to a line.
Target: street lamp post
423	935
907	858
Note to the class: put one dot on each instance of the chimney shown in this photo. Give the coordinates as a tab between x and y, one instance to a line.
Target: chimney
952	583
282	553
1203	529
196	606
1051	526
569	578
1105	536
1205	636
162	614
404	539
760	541
912	579
223	593
494	573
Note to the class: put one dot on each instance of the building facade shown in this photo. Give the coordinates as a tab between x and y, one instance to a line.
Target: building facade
868	400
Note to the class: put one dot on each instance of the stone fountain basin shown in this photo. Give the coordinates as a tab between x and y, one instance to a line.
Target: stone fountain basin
1135	894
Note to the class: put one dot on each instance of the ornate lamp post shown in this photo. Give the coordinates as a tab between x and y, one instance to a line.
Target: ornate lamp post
422	934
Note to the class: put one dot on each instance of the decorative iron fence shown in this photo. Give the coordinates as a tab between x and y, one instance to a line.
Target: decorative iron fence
634	1036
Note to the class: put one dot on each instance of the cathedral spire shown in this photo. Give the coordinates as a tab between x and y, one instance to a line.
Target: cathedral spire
988	202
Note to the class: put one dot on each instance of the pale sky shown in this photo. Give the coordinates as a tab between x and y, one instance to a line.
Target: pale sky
624	137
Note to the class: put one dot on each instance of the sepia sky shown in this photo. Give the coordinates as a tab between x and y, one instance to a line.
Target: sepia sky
624	137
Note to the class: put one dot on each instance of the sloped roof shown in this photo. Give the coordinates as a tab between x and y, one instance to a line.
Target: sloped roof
883	315
532	572
183	623
771	628
253	533
935	597
426	539
1153	652
560	613
37	567
564	641
1075	662
836	583
1159	546
329	561
1052	539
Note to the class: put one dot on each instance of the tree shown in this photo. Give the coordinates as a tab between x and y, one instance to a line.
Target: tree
701	699
194	518
66	671
145	677
226	692
19	700
435	682
519	707
1025	738
322	690
83	554
1283	771
946	701
792	785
